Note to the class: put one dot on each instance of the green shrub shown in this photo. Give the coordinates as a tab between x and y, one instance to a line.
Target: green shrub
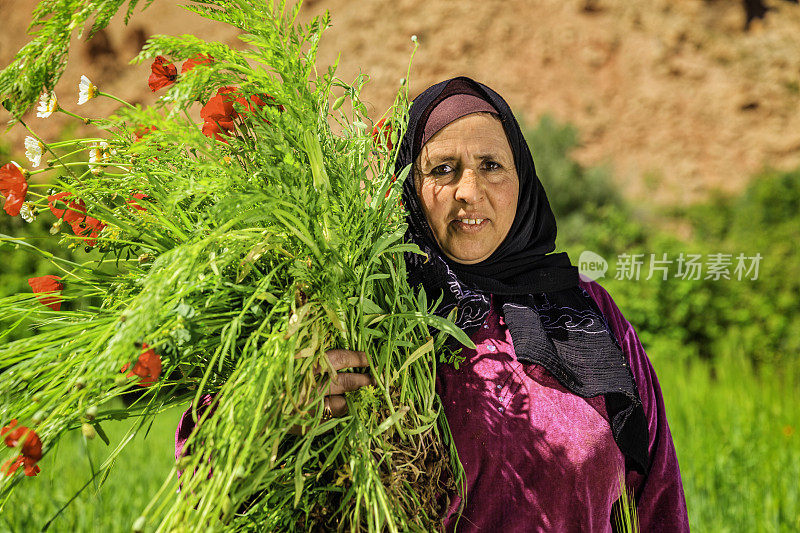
693	318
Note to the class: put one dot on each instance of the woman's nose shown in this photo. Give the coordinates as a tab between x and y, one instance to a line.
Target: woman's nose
469	188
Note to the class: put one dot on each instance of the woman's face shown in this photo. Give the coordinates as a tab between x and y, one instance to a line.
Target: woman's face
468	187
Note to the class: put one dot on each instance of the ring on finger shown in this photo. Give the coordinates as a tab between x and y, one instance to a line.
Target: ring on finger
327	414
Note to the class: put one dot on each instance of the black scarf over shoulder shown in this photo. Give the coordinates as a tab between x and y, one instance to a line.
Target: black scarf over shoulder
553	322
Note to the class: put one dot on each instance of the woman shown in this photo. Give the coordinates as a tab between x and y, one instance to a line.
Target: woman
558	397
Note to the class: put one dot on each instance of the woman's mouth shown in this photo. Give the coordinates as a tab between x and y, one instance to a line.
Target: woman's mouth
470	225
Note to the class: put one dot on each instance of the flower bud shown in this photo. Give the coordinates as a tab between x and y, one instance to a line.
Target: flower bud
338	103
80	383
226	505
91	412
88	431
38	416
138	526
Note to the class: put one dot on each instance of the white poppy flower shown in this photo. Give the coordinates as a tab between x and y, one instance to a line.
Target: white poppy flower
86	90
48	103
33	150
27	213
98	155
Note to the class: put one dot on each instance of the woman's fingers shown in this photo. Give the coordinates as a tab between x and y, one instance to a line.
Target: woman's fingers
340	359
334	389
349	381
338	405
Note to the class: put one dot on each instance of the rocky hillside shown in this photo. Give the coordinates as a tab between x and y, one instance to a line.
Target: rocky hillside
677	96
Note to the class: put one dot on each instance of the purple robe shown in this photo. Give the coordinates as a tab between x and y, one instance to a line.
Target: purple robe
539	458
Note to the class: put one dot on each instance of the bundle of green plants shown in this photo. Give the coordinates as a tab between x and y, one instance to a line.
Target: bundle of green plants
224	259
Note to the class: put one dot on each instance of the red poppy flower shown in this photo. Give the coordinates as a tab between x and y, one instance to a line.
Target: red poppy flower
141	131
49	283
199	59
137	196
72	214
220	107
163	74
11	466
14	187
148	367
213	128
260	100
93	228
75	215
88	227
51	203
31	449
219	112
382	134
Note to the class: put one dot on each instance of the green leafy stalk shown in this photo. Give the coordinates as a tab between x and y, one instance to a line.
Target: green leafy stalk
626	518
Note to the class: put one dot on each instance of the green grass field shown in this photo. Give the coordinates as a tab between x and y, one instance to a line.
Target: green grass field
738	443
137	476
737	436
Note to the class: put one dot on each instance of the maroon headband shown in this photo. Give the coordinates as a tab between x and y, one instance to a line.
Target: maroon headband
451	109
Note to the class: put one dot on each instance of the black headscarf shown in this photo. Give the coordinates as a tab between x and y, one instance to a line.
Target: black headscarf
553	322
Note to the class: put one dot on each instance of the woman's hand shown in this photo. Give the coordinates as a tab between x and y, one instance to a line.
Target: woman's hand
345	382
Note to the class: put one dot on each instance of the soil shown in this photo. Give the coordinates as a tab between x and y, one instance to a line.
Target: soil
677	97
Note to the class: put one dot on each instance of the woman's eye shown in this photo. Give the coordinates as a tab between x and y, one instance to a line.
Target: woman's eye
493	165
441	170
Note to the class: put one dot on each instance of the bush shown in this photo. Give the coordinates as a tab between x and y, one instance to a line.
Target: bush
694	318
